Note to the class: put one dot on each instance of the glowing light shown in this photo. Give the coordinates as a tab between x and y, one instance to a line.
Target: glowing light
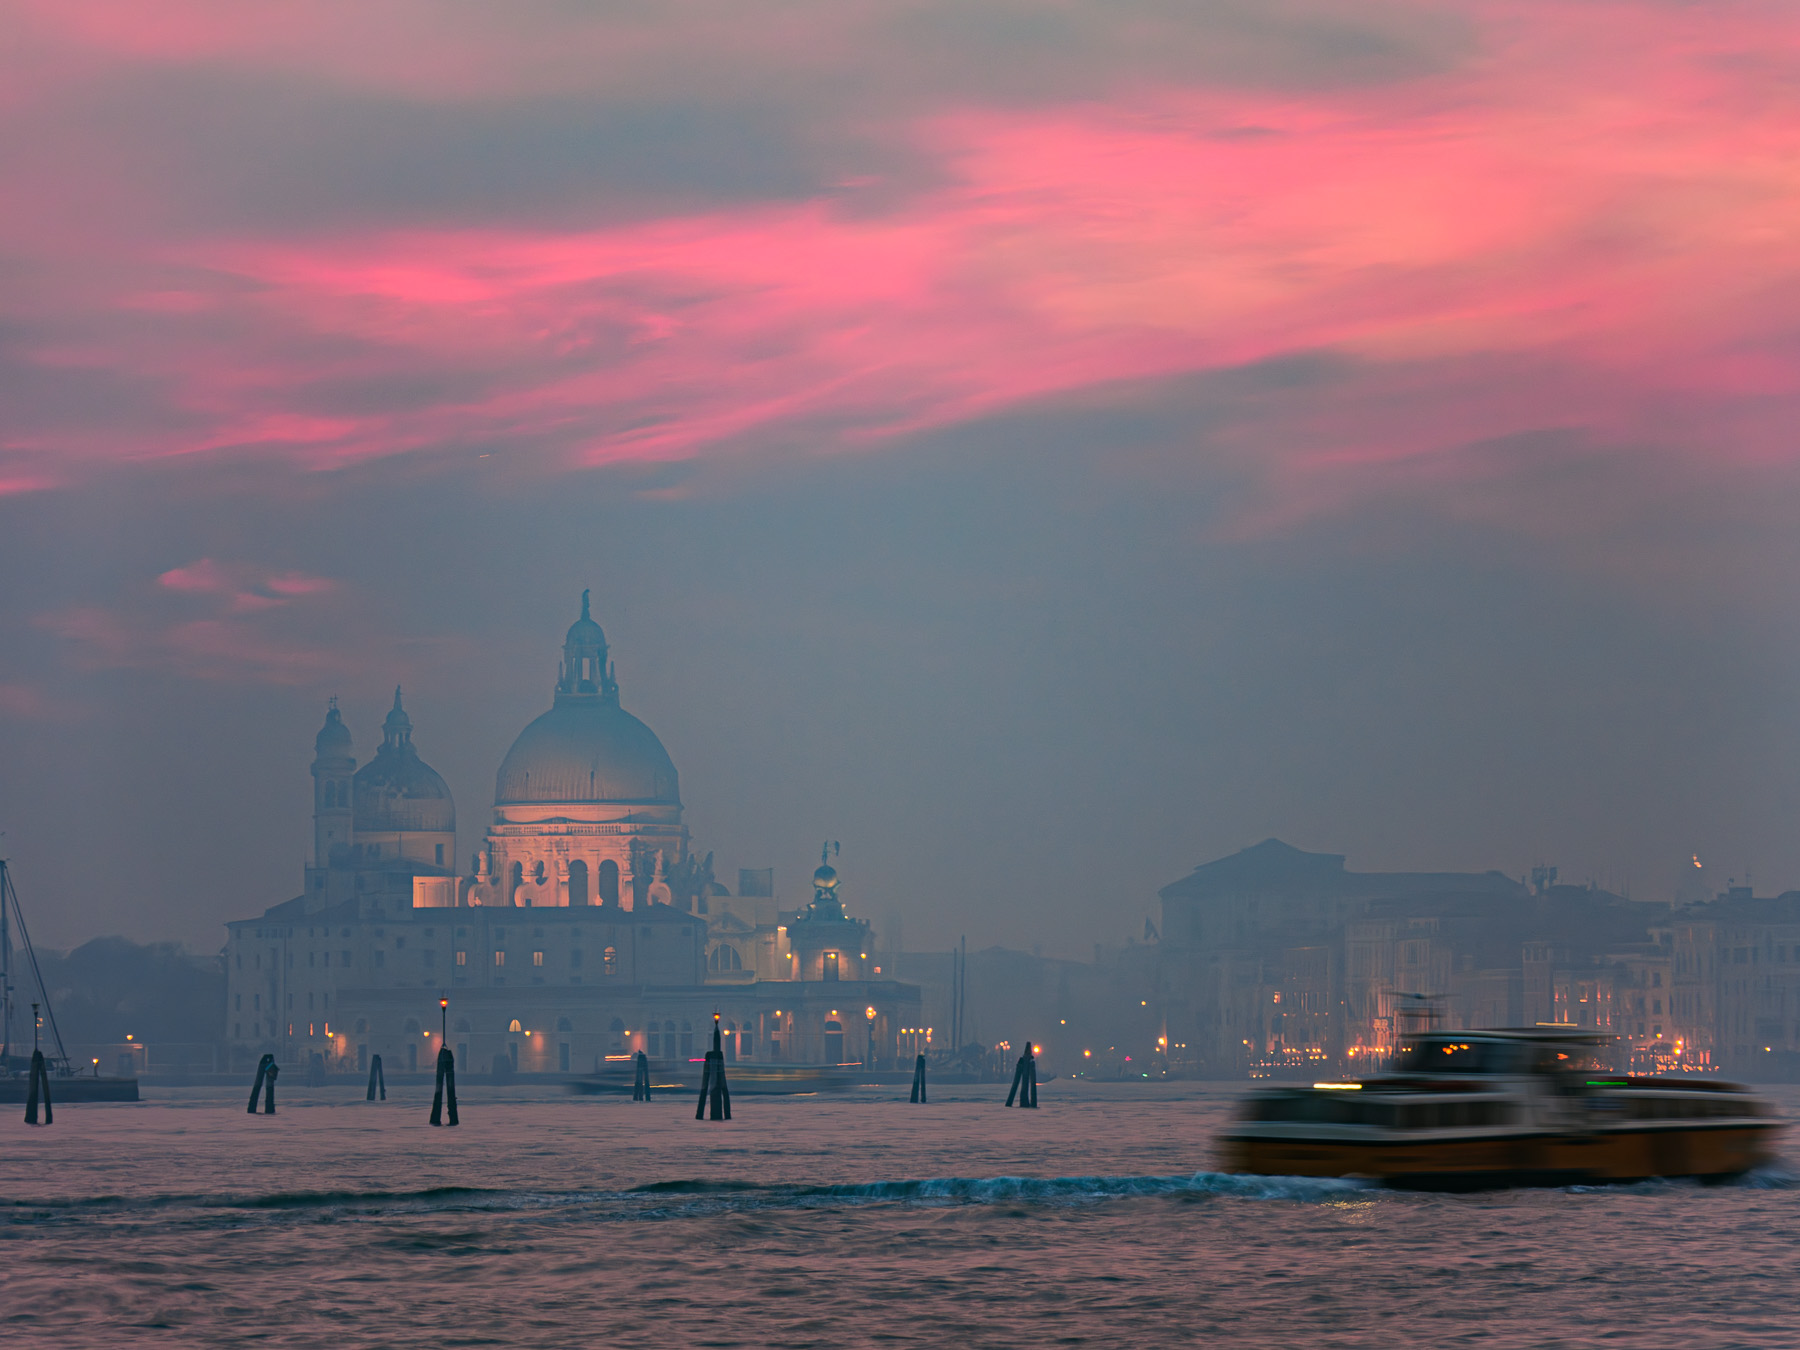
1338	1087
1087	1054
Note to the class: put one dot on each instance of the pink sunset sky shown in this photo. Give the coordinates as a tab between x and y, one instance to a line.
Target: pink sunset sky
1445	354
1579	217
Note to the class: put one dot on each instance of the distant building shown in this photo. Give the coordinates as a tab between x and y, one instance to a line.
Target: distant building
1274	959
1735	982
585	927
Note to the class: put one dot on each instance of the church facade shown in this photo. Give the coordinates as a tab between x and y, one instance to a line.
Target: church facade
584	928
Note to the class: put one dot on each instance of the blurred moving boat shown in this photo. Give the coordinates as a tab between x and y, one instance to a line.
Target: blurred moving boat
1468	1110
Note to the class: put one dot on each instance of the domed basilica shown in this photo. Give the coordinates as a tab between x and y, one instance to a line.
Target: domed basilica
585	928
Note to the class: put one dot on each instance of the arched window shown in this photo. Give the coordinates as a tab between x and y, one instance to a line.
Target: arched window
687	1040
724	957
834	1043
609	961
608	882
330	795
564	1024
518	877
578	882
831	965
514	1025
537	872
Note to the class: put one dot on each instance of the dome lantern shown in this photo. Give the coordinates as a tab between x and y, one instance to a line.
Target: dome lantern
396	729
585	673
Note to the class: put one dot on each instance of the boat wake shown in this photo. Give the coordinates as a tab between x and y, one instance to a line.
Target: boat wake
683	1196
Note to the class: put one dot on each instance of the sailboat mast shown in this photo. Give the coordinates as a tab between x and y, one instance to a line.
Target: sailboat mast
6	1002
9	895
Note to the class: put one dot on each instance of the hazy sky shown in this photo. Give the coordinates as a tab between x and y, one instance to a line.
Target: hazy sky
1040	445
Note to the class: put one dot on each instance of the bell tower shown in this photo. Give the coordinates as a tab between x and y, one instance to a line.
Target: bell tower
332	768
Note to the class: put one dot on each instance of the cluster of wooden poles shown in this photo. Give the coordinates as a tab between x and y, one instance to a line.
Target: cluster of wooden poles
713	1090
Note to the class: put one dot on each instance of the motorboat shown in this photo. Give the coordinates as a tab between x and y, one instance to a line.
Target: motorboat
1466	1110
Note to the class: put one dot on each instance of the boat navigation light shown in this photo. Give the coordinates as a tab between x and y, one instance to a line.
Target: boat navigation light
1338	1087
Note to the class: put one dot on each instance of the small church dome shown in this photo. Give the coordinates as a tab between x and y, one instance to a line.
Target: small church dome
397	791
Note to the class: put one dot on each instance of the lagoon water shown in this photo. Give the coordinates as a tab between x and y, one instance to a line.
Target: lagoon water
546	1220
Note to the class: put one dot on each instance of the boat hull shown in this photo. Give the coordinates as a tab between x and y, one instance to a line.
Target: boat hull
1476	1162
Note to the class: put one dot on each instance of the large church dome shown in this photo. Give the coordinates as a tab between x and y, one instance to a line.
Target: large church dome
587	748
397	791
587	752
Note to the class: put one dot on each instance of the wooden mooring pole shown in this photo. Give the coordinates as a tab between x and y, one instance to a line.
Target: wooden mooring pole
40	1082
1024	1084
446	1088
918	1089
264	1086
640	1082
712	1080
377	1079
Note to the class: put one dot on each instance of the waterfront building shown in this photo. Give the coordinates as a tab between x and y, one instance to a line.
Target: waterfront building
585	927
1274	959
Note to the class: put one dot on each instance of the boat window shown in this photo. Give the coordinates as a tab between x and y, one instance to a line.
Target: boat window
1448	1055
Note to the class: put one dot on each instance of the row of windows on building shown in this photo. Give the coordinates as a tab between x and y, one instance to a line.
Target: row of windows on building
609	959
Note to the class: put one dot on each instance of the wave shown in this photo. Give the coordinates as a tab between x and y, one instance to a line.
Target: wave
989	1190
277	1200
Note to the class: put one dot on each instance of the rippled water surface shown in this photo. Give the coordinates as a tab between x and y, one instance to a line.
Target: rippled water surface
552	1221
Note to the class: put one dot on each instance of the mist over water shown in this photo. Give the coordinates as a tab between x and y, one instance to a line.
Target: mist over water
550	1221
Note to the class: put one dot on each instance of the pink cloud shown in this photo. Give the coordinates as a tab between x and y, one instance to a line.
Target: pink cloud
28	703
1592	222
235	639
204	575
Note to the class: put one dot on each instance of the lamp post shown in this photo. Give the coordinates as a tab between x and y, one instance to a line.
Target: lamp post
869	1063
443	1021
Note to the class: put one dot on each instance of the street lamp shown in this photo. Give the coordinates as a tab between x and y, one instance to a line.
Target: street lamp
444	1019
870	1014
